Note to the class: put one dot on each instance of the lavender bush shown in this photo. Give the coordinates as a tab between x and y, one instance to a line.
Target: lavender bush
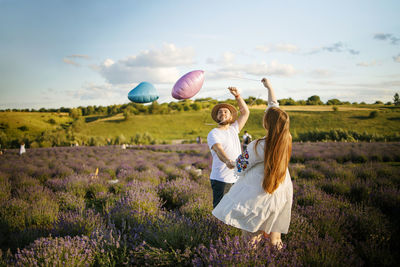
58	251
77	223
151	205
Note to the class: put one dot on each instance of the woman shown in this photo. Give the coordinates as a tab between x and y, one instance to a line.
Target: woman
260	201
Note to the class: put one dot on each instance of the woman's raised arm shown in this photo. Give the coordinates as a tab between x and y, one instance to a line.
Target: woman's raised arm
272	101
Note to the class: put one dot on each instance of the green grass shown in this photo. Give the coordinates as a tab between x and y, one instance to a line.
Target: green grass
189	125
387	121
36	122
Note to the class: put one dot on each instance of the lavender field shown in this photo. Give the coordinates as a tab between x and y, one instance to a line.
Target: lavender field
151	205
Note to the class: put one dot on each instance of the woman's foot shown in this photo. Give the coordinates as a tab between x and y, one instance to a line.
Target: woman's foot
277	244
276	240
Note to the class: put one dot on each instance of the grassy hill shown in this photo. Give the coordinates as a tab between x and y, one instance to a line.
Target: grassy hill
190	124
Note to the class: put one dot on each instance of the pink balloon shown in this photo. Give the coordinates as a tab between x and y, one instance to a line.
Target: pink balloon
188	85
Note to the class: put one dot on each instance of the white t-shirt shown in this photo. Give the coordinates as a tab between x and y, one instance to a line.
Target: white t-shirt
229	140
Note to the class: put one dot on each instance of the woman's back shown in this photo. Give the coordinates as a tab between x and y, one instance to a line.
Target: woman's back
247	205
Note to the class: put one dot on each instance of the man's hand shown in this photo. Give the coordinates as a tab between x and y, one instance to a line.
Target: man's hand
230	164
234	91
217	147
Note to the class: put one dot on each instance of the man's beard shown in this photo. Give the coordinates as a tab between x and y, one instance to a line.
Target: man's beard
224	122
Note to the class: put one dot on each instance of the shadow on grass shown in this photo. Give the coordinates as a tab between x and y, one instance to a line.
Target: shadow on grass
116	121
95	118
394	119
361	117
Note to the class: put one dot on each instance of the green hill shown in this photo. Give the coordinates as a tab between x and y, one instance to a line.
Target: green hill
47	129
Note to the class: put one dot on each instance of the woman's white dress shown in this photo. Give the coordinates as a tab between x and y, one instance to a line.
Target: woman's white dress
247	206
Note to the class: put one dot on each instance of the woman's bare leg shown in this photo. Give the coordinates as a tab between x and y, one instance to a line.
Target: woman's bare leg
276	239
252	238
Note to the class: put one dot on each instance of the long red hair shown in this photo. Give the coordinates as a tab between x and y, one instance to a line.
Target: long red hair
278	148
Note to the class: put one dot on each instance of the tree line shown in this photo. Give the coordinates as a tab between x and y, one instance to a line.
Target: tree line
186	105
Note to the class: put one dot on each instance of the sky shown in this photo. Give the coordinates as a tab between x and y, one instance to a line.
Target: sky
73	53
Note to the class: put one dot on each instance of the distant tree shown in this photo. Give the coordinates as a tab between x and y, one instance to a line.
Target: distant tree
388	103
142	108
62	109
314	100
154	108
250	100
101	110
75	113
333	102
110	111
90	110
175	106
260	101
335	108
127	114
195	106
78	124
287	102
378	102
396	99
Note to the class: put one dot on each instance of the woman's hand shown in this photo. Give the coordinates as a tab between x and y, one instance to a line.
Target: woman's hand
266	83
234	91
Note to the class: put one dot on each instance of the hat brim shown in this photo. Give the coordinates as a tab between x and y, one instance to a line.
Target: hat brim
232	109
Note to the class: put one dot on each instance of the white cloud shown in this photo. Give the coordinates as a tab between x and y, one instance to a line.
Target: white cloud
79	56
228	68
120	73
92	91
290	48
108	62
368	64
372	85
256	69
168	56
70	62
227	58
205	36
157	66
71	59
397	58
273	68
320	73
211	61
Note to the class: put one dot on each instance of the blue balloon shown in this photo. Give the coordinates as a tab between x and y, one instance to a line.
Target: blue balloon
143	93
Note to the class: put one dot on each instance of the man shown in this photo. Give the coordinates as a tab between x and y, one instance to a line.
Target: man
224	144
246	139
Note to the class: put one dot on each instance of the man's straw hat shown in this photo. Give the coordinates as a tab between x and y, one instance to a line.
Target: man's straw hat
231	108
